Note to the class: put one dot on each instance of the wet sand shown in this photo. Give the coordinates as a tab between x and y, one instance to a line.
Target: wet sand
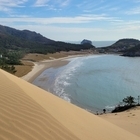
39	67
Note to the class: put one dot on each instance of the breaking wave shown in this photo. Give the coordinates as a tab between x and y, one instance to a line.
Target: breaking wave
63	79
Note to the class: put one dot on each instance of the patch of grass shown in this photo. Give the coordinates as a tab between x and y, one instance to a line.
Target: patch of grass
22	70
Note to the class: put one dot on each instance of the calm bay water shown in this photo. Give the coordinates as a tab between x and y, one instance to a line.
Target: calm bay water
94	82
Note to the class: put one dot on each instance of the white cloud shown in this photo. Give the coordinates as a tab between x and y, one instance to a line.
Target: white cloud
12	3
128	27
133	11
50	3
60	20
64	2
53	29
4	9
7	5
77	34
41	3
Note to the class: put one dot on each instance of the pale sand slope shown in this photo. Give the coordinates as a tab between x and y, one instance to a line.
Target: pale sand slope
128	120
30	113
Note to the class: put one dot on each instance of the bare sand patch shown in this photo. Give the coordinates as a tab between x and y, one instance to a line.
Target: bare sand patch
39	57
128	120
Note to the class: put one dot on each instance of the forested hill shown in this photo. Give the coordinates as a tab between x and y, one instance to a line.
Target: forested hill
127	47
125	43
32	42
14	44
132	52
25	34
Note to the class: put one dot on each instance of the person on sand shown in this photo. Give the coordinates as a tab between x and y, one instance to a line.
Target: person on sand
104	110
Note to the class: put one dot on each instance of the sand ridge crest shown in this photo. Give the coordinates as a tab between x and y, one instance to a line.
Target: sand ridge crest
28	112
22	118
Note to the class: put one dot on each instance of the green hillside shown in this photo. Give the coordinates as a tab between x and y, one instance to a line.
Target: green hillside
14	44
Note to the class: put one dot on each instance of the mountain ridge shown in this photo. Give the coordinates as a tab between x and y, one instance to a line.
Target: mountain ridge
34	42
25	34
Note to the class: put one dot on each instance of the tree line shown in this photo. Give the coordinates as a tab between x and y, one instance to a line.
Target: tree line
127	103
12	49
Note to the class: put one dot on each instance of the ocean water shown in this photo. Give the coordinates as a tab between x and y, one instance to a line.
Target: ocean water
97	43
94	82
102	43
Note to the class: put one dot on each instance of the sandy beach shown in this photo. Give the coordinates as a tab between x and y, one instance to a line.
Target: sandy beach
128	120
39	67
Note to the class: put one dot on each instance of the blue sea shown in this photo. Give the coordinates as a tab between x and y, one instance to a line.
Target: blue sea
94	82
96	43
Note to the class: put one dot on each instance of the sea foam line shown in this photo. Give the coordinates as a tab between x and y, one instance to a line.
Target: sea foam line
62	81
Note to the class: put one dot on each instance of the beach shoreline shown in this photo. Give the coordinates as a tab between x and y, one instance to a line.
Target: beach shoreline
127	120
41	66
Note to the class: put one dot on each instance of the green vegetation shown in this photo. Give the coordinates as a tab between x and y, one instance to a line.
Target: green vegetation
127	47
129	100
10	69
132	52
10	58
128	103
14	44
32	42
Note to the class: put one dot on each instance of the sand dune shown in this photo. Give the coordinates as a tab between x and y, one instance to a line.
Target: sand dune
128	120
22	118
30	113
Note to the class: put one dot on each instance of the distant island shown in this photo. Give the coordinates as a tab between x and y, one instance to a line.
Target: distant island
85	41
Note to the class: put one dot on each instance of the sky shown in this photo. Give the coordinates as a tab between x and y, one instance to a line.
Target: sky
74	20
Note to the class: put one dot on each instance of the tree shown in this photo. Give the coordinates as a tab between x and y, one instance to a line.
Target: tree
129	103
129	100
10	69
